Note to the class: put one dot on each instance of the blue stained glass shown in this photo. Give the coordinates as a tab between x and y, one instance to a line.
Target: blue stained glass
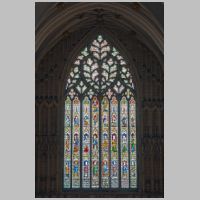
100	123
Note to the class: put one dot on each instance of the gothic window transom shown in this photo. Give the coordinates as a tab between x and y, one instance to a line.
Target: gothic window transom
100	120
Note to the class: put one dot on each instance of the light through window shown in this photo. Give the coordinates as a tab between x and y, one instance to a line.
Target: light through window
100	120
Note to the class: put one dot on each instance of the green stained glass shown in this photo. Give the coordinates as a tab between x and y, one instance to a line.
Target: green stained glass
105	162
95	142
76	144
100	121
95	62
67	143
124	143
86	143
114	143
133	163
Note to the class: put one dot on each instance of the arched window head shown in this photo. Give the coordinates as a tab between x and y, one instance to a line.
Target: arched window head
99	67
100	121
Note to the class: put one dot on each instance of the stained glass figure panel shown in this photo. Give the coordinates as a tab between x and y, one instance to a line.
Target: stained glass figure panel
86	143
132	124
124	143
76	144
95	142
114	143
67	144
99	121
105	135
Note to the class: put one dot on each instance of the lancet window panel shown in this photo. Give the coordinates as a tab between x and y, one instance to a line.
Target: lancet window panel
100	121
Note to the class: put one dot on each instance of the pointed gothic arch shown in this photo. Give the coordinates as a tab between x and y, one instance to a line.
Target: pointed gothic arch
100	88
114	41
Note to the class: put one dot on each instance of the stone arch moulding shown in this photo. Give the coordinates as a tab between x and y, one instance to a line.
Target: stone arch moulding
136	19
138	89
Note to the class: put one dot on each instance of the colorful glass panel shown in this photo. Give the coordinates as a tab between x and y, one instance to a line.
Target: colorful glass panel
124	143
76	144
132	124
114	143
86	143
100	70
67	143
105	162
95	142
100	80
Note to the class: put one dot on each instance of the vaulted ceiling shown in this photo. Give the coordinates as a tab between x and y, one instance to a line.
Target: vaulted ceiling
156	8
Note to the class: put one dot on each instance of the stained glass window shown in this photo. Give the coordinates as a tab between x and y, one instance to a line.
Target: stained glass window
76	144
114	143
95	142
67	147
86	143
100	120
124	143
105	142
